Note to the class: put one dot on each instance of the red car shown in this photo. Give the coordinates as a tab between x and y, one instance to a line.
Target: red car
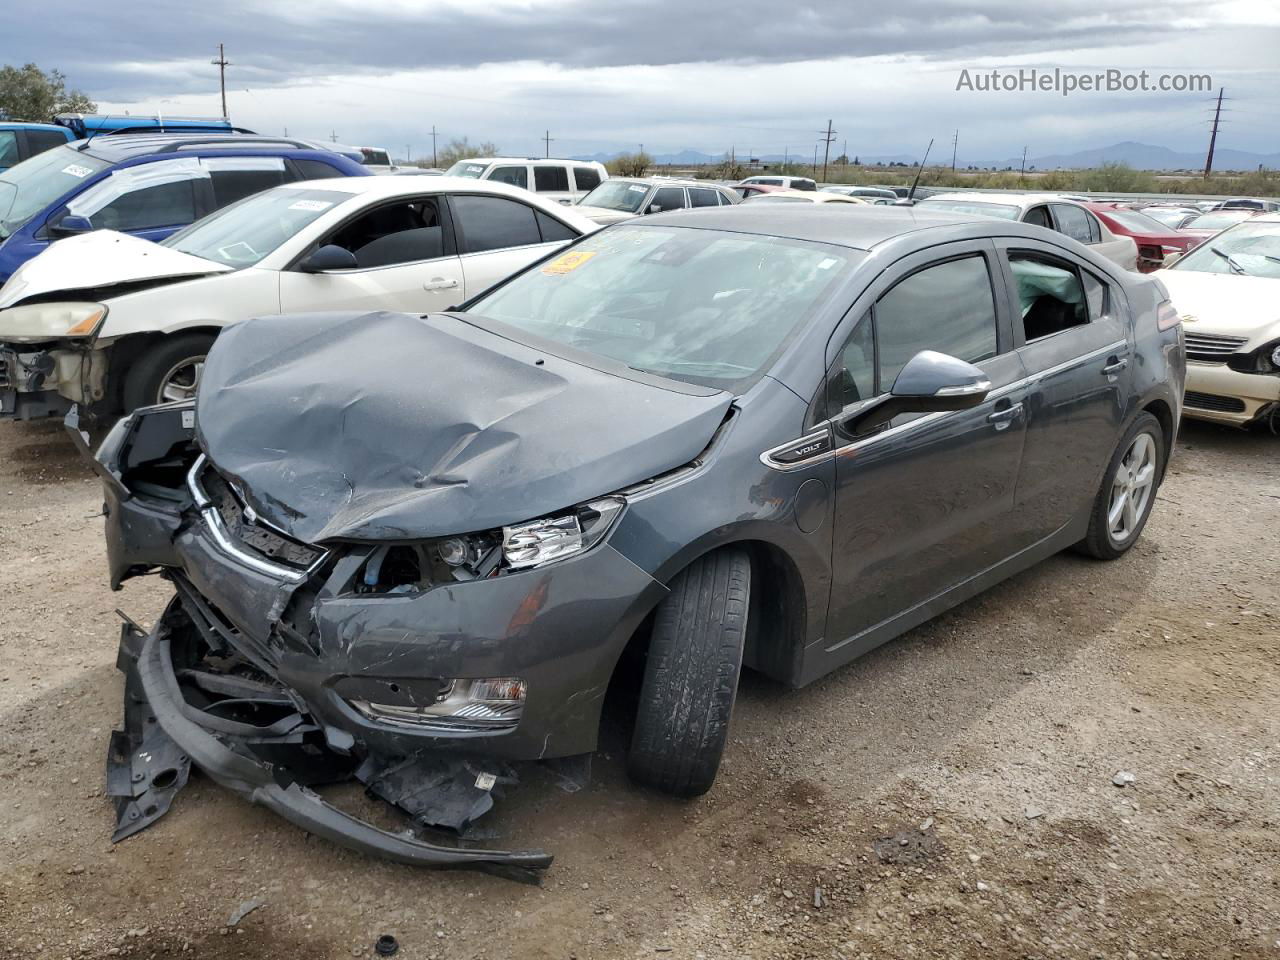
1153	238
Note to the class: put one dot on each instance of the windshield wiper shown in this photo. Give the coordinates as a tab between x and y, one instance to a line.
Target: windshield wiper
1235	267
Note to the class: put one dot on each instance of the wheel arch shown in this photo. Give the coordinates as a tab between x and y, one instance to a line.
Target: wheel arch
127	348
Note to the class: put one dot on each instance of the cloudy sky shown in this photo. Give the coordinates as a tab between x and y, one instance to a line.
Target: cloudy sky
606	76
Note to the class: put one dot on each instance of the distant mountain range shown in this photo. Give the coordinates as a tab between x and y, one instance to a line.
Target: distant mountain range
1140	156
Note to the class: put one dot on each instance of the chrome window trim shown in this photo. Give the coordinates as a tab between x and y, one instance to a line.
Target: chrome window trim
218	531
829	425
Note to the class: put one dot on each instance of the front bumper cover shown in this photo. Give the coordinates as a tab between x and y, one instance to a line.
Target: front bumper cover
160	757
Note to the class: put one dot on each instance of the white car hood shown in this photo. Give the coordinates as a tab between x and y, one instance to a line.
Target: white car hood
100	259
602	215
1222	302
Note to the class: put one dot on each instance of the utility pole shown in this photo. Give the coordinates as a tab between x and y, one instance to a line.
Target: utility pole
408	153
815	160
826	151
955	139
333	136
222	63
1023	169
1213	137
845	153
546	139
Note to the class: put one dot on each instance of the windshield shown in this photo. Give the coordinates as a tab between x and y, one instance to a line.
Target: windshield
242	234
32	185
467	168
702	306
621	195
1001	210
1251	249
1218	221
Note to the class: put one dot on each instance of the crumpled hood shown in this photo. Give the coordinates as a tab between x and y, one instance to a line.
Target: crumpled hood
1222	303
103	258
389	426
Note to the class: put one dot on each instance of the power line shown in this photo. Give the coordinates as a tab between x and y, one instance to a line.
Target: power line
222	63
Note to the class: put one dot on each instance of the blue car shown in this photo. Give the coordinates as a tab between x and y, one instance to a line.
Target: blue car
148	185
20	140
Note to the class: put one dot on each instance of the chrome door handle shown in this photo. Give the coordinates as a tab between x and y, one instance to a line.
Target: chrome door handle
1002	418
439	283
1114	366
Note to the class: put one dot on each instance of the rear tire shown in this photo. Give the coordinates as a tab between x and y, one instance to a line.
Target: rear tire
691	675
166	371
1128	491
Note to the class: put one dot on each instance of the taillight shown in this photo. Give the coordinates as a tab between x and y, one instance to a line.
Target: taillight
1148	252
1166	316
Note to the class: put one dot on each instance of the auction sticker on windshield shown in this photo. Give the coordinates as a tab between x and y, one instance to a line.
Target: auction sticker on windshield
313	205
567	262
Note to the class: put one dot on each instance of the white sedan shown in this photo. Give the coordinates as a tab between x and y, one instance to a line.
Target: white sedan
115	322
1046	210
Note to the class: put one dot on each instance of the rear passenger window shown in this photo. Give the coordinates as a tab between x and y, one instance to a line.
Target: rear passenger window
232	185
702	197
39	141
315	169
164	205
552	229
491	223
550	178
587	178
948	307
1074	222
1051	295
516	176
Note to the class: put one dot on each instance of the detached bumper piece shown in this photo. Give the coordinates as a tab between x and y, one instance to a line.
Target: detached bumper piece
253	736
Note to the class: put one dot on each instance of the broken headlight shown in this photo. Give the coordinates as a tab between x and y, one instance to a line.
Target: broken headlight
409	568
554	538
50	321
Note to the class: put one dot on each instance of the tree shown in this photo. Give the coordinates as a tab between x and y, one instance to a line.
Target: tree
463	149
630	164
28	93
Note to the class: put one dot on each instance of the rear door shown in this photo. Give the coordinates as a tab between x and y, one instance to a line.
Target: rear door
499	235
924	504
407	261
1072	334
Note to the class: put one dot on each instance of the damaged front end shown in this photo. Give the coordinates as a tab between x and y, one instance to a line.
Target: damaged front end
281	666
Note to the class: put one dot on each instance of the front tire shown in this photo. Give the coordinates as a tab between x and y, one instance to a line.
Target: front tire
691	675
168	371
1128	491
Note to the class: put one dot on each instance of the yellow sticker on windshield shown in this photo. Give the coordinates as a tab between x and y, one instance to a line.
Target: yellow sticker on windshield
567	262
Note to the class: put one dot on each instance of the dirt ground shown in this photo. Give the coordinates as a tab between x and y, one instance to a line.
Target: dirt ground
950	795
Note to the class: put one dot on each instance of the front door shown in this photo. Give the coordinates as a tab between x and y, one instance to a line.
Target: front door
405	260
924	504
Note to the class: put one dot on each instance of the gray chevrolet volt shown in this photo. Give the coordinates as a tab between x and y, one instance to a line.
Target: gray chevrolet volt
411	550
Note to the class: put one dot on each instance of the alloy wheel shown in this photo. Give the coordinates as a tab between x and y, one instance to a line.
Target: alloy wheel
1132	487
181	381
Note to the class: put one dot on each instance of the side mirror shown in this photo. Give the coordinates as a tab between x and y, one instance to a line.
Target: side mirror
329	257
1171	258
931	382
653	208
70	225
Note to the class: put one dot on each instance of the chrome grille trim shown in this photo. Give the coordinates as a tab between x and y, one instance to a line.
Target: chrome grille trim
1212	347
227	544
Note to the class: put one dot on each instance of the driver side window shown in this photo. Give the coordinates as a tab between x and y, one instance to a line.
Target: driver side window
948	307
404	232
